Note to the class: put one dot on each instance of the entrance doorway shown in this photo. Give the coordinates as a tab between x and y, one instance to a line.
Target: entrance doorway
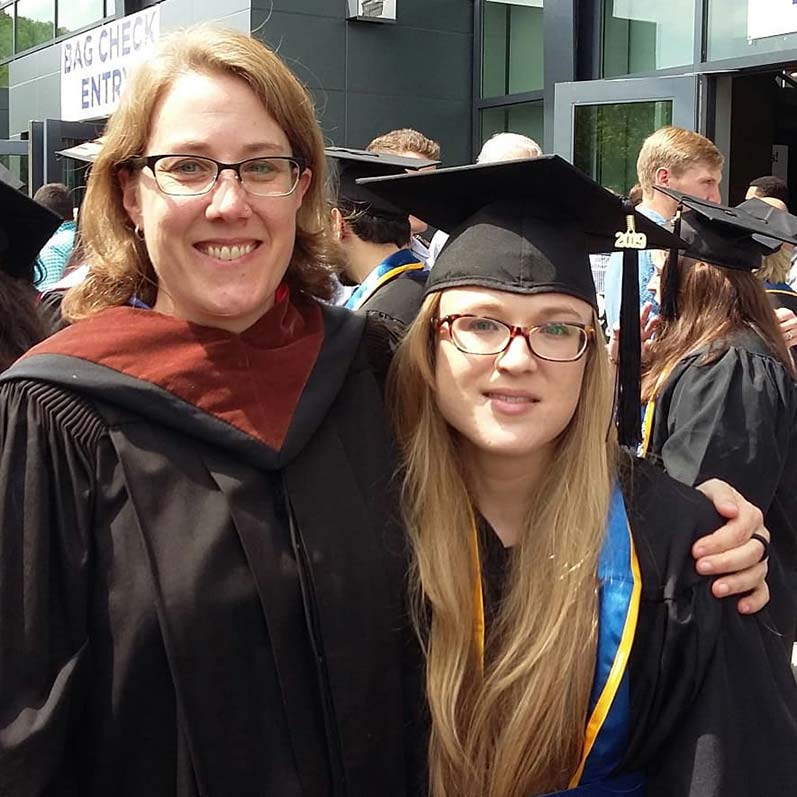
763	130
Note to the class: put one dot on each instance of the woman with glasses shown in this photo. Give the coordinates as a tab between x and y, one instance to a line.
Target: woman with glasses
201	577
570	646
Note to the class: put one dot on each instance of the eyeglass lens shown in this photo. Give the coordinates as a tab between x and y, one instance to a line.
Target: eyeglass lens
557	341
187	176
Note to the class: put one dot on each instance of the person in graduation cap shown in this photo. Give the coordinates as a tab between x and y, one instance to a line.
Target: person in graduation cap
775	266
375	236
719	384
25	227
202	575
571	647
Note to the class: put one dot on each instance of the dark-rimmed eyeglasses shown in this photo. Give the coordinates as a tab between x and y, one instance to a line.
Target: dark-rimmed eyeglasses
556	341
193	175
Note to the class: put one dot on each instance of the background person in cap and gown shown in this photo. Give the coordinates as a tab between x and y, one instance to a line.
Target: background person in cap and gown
719	382
409	143
25	227
571	646
374	237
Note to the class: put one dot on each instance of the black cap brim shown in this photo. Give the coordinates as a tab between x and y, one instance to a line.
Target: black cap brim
353	164
25	227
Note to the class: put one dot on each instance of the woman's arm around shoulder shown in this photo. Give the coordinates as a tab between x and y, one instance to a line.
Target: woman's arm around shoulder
713	700
47	472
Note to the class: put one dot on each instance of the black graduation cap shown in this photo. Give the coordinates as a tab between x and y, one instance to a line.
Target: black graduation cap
25	227
774	217
735	238
529	227
353	164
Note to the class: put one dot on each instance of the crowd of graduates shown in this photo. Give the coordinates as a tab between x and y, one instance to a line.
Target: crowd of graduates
298	501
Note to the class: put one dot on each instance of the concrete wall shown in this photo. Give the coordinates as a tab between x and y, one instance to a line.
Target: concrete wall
368	78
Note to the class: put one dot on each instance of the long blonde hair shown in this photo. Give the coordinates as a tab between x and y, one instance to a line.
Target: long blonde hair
120	264
519	728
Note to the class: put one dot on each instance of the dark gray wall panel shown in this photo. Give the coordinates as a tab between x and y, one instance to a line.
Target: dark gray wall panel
313	47
445	121
442	15
319	8
409	61
331	110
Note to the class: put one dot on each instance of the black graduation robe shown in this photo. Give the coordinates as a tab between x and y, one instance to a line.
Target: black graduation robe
197	596
735	419
713	709
400	298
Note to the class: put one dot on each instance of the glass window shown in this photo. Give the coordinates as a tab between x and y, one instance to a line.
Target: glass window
6	32
35	23
642	36
512	47
76	14
607	139
739	28
526	119
3	76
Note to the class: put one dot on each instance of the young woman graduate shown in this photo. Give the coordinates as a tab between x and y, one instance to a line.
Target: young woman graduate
571	648
719	386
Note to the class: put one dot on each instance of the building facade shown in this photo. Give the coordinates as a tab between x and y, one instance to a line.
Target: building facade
588	79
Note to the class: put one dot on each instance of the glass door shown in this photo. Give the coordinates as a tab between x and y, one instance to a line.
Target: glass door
599	125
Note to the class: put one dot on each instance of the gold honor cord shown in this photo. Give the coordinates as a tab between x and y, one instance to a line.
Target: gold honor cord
619	665
478	596
386	277
650	411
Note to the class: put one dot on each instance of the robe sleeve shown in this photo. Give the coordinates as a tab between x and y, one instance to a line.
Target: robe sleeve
46	497
731	420
714	702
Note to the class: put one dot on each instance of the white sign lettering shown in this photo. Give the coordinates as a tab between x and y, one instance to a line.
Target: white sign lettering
95	65
771	18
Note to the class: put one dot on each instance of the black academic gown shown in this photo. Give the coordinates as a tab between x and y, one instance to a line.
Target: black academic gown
735	419
185	610
713	704
399	299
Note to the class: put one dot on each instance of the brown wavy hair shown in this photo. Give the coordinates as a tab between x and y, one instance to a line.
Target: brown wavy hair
119	263
518	728
713	303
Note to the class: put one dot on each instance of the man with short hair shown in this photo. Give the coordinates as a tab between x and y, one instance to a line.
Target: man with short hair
409	143
374	237
671	157
768	186
55	253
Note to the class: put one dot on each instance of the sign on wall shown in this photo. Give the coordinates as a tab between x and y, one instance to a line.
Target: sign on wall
771	18
372	10
95	65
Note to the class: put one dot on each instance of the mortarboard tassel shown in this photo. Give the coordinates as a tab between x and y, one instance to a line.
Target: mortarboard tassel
629	395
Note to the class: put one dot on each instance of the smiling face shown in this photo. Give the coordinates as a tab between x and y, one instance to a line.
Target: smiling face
512	405
219	257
